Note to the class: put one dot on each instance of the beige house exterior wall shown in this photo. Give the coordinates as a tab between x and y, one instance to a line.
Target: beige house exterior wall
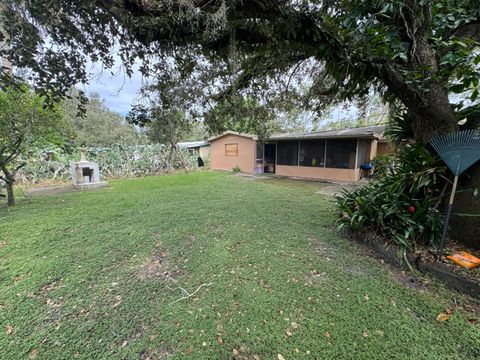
204	152
318	173
385	148
246	153
373	149
246	160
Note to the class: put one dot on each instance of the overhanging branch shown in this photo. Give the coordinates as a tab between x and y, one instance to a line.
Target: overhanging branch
469	30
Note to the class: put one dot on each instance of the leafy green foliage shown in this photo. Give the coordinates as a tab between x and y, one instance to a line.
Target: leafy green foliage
25	123
163	108
401	204
98	126
416	52
116	161
166	126
243	115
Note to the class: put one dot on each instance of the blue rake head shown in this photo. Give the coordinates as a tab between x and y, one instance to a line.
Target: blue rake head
459	150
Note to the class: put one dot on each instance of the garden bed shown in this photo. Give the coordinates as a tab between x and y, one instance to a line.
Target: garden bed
460	279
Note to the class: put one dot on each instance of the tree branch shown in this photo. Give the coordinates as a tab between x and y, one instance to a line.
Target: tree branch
469	30
187	295
14	172
14	151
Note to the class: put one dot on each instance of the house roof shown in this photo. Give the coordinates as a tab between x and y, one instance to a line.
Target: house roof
229	132
192	144
369	132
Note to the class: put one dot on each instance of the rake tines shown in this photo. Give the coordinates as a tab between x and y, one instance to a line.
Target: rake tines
459	151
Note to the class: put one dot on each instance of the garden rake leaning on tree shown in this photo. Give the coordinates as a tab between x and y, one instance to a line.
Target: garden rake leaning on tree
459	150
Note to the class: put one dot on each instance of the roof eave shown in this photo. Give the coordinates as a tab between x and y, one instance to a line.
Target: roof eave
368	137
226	133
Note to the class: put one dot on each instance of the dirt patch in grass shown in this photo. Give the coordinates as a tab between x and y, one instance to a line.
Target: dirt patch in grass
51	190
157	266
52	285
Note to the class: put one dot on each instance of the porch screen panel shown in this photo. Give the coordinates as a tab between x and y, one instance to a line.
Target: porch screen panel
363	152
287	153
341	154
312	153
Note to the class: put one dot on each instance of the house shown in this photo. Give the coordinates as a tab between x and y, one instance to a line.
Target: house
200	148
335	155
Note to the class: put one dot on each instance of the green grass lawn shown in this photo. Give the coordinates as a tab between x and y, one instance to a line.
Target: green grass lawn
93	275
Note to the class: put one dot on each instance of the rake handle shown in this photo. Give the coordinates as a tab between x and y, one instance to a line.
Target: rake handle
447	217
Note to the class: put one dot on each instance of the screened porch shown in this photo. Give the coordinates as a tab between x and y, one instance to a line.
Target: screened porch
329	159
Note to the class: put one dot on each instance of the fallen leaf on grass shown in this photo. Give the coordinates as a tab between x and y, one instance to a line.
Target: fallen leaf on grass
288	333
235	352
280	357
33	354
256	357
84	311
220	340
443	317
327	334
365	334
9	329
473	321
118	301
294	325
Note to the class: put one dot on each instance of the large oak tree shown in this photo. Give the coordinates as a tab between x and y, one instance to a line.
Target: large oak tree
416	53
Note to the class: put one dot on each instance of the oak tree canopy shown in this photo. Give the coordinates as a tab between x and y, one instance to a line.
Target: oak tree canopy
415	53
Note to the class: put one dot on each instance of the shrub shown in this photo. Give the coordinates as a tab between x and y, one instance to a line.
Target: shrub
401	203
236	169
116	161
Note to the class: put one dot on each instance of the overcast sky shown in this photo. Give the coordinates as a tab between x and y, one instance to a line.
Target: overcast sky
118	91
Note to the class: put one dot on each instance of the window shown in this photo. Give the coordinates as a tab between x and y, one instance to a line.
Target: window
341	154
312	153
287	153
231	149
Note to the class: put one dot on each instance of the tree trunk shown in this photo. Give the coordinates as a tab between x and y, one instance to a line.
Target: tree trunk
432	115
10	195
9	180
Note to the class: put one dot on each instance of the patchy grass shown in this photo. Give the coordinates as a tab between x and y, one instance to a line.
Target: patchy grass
93	275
